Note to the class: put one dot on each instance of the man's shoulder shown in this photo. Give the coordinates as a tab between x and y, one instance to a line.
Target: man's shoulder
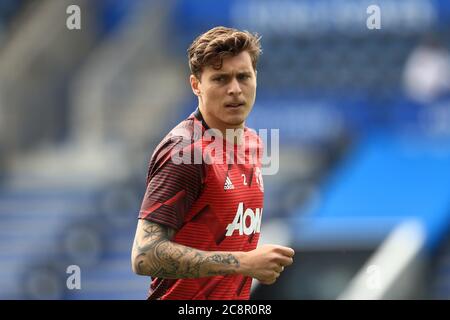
182	134
185	129
185	136
175	146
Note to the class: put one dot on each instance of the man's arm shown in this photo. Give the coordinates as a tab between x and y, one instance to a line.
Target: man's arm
155	255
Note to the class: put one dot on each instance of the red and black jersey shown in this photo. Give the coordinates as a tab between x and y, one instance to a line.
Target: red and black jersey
214	204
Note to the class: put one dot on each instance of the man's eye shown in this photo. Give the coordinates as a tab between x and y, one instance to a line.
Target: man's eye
219	79
244	77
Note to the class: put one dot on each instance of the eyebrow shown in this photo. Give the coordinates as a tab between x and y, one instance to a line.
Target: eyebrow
246	73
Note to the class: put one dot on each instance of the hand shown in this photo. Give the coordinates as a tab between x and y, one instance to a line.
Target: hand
266	263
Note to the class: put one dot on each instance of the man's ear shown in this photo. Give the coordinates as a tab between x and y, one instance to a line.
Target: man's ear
195	85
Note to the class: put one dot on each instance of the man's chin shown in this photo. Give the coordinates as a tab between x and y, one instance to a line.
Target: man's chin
235	122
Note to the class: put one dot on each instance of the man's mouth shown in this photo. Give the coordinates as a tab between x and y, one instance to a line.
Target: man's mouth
234	105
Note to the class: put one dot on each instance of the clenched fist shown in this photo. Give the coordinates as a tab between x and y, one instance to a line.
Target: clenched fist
266	262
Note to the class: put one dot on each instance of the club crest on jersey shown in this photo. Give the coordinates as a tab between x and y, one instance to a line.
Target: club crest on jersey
247	222
259	179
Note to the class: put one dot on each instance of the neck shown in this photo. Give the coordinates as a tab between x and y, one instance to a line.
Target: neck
236	138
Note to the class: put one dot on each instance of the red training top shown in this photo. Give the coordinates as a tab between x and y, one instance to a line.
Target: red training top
213	204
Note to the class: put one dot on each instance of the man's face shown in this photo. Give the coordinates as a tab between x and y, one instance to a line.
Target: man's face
227	95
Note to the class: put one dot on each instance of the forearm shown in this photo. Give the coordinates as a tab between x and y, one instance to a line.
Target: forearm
155	255
167	259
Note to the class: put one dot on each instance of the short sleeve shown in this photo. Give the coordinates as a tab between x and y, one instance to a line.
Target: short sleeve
171	188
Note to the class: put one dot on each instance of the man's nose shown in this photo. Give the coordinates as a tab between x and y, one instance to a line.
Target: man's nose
234	87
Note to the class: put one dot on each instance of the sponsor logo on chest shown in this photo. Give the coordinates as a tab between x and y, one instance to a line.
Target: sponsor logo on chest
245	222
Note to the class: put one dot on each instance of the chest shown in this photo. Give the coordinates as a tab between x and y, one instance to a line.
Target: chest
235	183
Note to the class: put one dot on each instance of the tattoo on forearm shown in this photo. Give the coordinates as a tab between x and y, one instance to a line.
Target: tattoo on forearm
226	259
156	255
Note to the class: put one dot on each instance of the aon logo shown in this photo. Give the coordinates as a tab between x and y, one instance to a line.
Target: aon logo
247	222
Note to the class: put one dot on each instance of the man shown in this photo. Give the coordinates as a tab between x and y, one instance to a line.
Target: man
199	222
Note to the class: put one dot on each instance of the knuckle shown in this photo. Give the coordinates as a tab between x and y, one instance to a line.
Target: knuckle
274	257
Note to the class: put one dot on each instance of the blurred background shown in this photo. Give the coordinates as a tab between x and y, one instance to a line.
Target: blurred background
363	189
